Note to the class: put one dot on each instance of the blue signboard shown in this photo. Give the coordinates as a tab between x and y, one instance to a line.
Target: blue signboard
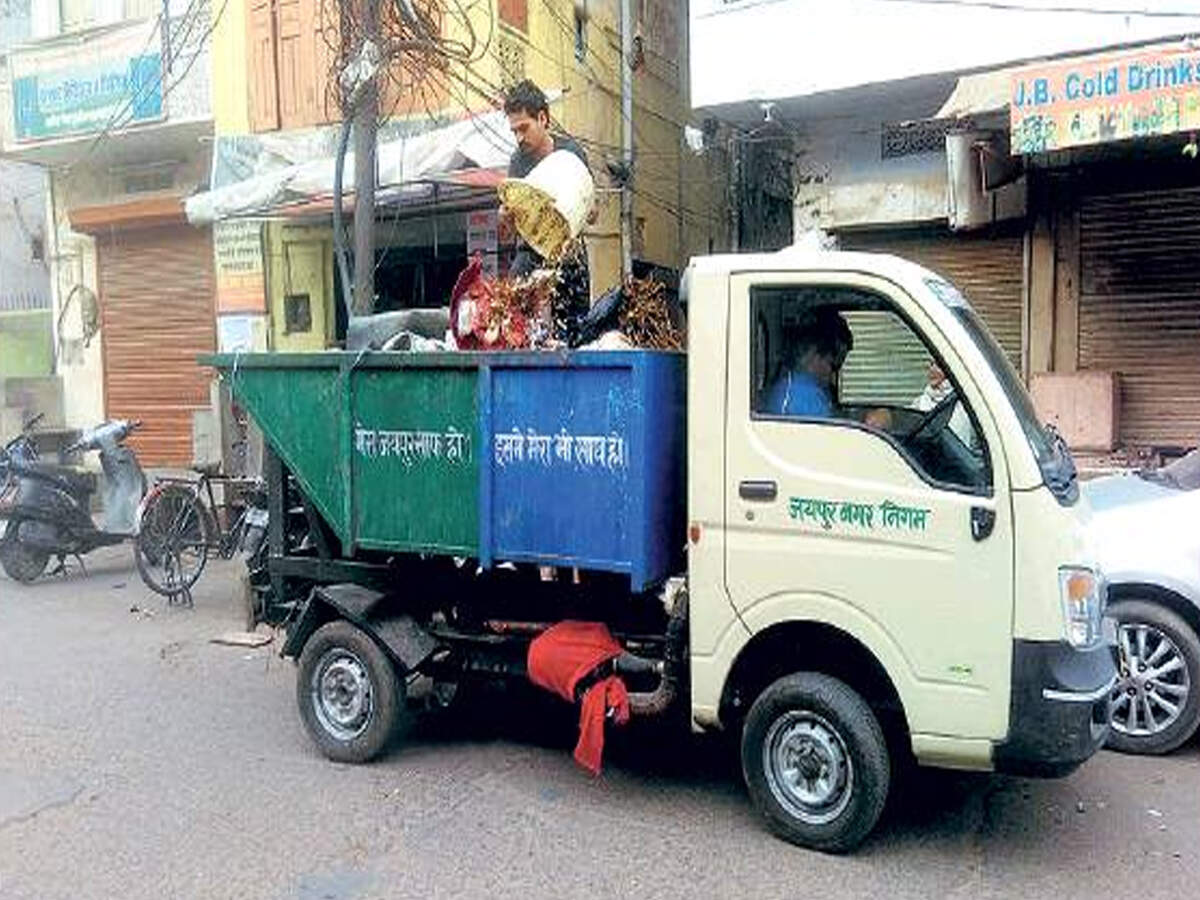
88	99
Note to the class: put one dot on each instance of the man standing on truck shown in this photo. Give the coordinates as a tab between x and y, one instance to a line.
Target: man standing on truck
814	349
529	118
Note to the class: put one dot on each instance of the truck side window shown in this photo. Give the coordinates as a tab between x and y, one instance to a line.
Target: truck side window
848	357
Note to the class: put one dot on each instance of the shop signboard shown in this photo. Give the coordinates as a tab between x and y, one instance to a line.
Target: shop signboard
1103	98
112	81
241	275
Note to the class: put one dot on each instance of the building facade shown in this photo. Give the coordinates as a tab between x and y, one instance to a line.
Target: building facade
1077	254
111	99
272	103
26	341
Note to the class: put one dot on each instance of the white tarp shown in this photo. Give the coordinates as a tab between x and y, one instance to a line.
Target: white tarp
483	141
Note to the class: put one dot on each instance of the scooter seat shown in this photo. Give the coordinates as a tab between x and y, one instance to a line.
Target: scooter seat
80	481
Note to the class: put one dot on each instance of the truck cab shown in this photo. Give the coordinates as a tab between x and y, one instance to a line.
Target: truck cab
896	568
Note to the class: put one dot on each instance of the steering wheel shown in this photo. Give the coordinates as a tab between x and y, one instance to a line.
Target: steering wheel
933	422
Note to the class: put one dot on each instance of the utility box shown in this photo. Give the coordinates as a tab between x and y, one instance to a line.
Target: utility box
1084	406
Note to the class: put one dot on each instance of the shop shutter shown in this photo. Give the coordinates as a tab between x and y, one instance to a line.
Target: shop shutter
157	315
888	364
987	268
1139	308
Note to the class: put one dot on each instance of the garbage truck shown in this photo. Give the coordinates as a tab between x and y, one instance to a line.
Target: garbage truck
843	588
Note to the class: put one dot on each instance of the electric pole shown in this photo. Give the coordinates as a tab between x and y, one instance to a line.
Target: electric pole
366	115
627	138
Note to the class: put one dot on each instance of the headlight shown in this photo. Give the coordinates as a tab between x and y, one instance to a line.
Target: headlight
1082	593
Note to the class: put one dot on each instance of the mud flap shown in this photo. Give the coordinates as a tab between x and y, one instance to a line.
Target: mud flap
400	635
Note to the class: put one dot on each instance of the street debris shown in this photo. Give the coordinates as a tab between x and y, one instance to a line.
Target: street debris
1154	812
242	639
144	613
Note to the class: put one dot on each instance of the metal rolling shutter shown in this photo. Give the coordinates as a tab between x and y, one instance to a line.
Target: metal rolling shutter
988	269
1139	308
888	363
156	301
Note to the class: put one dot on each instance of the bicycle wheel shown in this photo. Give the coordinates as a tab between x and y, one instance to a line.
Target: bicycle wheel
173	537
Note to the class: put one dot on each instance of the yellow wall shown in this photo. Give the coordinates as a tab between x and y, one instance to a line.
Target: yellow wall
230	76
679	198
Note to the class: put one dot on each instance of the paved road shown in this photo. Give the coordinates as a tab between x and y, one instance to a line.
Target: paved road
137	759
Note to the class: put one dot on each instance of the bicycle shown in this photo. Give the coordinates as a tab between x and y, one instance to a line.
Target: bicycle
181	522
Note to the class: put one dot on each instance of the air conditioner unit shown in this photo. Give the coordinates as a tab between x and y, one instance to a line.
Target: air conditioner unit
985	183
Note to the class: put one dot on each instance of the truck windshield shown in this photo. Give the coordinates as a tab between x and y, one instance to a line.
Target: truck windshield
1050	450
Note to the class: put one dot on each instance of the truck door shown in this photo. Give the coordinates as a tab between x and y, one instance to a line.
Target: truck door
870	495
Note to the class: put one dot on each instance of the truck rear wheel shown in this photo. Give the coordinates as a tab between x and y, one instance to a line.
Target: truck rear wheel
351	699
816	762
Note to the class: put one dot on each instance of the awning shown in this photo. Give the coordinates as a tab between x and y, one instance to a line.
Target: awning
281	173
143	213
975	95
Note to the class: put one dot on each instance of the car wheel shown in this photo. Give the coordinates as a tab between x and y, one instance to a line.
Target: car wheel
816	762
1156	703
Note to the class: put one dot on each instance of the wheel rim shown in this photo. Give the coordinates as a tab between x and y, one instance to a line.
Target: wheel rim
341	694
808	768
1153	684
173	542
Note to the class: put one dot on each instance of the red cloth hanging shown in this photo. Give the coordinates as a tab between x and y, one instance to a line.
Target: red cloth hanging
563	655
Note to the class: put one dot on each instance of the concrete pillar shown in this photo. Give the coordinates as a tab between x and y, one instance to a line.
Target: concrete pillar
1054	280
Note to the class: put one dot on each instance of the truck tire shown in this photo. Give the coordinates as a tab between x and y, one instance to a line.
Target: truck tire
350	696
21	562
1156	704
816	762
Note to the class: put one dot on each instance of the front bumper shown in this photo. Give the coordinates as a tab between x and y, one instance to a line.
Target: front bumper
1060	710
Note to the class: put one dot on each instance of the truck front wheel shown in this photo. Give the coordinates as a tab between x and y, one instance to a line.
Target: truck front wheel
350	697
816	762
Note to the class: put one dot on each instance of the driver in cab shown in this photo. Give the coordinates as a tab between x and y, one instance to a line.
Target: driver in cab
806	383
814	349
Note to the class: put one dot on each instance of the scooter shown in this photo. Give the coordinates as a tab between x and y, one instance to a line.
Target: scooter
51	513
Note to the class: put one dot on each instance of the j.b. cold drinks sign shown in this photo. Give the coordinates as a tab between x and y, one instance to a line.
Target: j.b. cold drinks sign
1103	98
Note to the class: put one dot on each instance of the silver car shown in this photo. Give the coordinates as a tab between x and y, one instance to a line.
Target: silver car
1146	531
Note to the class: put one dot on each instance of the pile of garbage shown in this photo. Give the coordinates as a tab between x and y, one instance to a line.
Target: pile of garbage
551	310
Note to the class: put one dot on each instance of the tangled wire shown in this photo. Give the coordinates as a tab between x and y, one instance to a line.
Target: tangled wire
416	40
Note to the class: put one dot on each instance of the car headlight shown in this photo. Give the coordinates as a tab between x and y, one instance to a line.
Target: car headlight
1083	595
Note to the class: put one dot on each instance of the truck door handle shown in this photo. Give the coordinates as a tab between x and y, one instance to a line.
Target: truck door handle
982	522
758	490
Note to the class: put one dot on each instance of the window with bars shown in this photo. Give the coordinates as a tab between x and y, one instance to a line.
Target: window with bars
913	138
